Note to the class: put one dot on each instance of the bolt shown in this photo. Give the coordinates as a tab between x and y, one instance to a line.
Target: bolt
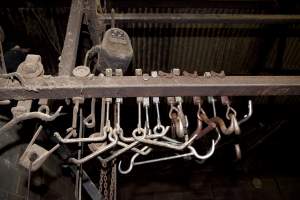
108	72
119	72
146	77
154	74
138	72
176	72
33	156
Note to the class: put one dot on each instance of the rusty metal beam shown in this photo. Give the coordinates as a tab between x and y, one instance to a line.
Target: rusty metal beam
131	86
201	18
69	52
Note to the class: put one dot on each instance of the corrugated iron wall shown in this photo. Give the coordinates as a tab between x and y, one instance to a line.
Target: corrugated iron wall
237	49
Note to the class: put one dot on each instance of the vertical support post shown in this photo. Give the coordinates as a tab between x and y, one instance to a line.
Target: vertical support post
69	52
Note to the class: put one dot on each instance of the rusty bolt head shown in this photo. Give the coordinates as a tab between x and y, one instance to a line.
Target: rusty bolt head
119	72
138	72
154	74
108	72
176	72
146	77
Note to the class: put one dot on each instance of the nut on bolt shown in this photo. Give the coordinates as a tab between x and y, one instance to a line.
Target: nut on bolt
138	72
154	74
176	72
108	72
119	72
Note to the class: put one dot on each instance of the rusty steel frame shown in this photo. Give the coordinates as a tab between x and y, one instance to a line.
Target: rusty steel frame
61	87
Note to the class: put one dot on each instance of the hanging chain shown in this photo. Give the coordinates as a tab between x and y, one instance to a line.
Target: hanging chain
108	193
103	181
113	183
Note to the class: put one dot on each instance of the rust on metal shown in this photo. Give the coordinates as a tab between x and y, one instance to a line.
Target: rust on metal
131	86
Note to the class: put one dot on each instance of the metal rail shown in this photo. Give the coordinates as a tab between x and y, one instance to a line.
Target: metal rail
131	86
201	18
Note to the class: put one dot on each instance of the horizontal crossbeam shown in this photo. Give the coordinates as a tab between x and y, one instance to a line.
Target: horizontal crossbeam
131	86
200	18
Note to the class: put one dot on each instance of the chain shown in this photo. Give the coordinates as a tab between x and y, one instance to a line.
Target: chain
112	189
108	193
103	181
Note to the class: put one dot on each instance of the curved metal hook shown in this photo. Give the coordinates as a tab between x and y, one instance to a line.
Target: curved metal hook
236	126
31	115
127	171
207	155
219	121
44	109
157	134
90	121
179	147
192	152
92	138
112	137
250	112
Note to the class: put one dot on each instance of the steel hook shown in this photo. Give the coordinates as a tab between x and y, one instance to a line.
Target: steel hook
192	152
249	114
113	142
31	115
89	121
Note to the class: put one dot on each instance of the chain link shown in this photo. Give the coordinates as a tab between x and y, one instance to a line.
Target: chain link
112	189
109	193
103	182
